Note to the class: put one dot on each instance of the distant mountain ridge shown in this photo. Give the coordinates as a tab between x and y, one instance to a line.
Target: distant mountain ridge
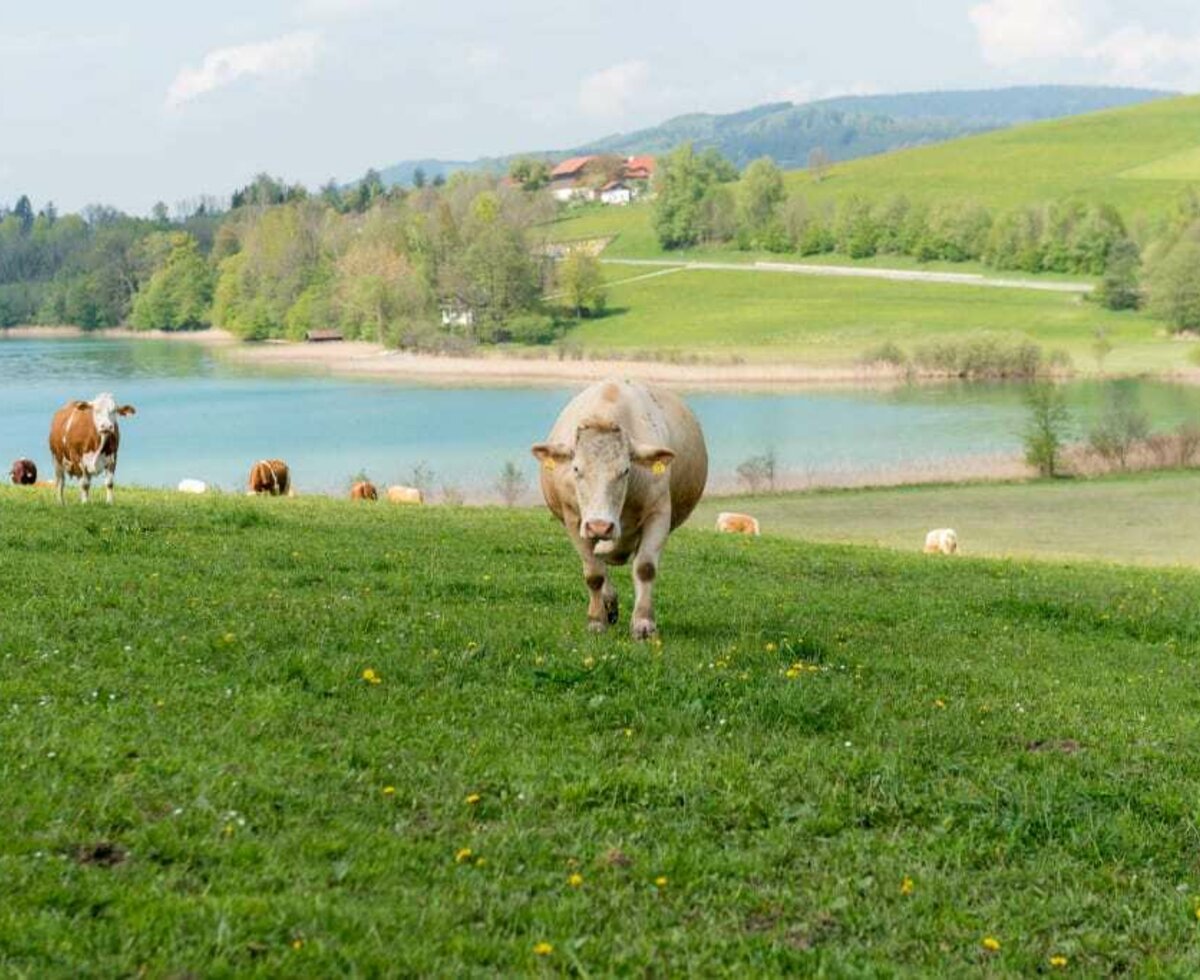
846	127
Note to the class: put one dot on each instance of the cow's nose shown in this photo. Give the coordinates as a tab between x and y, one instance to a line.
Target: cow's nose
598	530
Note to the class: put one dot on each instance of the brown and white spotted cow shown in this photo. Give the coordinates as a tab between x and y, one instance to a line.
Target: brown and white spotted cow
271	477
625	464
84	441
364	490
24	473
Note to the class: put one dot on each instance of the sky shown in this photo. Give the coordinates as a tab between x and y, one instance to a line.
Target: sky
128	103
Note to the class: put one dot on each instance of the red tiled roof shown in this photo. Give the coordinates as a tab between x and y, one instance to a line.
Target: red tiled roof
571	167
612	185
636	167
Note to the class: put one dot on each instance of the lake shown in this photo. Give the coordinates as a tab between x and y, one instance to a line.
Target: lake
202	416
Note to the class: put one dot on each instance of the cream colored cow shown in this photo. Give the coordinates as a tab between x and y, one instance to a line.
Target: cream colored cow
942	541
624	465
404	495
730	522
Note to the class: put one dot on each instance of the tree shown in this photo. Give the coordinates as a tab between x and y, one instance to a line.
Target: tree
511	483
581	280
682	181
179	293
160	215
759	195
758	472
1174	285
1120	427
1118	288
23	210
532	174
818	163
418	178
1045	431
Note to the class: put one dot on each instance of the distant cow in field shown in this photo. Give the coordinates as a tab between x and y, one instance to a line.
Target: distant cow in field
624	465
192	486
364	490
943	541
405	495
24	472
729	522
270	477
84	441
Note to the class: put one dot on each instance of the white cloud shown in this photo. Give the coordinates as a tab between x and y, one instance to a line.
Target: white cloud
608	92
482	57
1012	31
290	55
1136	56
336	9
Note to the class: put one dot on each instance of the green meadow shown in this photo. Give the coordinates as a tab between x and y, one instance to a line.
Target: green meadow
762	316
307	738
1145	519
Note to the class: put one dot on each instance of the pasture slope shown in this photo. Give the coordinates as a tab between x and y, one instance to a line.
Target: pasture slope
838	760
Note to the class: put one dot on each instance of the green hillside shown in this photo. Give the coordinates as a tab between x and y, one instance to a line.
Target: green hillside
839	761
1139	158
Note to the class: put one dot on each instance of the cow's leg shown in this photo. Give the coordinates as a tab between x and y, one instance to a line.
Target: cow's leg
602	596
60	482
645	571
108	487
85	486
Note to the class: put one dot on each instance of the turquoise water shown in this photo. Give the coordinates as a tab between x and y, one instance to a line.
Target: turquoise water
199	416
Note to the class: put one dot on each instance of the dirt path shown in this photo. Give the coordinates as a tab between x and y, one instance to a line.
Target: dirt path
865	272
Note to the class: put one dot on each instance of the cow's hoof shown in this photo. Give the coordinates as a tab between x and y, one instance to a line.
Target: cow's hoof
643	629
597	625
611	611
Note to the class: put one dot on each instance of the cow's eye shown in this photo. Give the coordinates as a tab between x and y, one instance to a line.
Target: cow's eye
577	470
625	472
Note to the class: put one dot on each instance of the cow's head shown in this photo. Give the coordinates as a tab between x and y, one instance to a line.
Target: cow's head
598	468
105	411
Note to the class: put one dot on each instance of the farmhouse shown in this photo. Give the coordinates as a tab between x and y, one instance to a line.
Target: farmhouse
569	180
566	180
616	192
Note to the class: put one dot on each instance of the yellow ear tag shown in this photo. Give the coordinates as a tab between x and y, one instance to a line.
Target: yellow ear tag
658	469
549	464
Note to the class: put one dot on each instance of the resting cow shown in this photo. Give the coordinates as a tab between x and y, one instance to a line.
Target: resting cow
84	440
943	541
730	522
624	466
405	495
364	490
24	472
270	477
192	485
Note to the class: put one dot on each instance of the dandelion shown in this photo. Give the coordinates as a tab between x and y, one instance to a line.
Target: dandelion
660	881
371	677
297	943
906	886
629	733
575	880
229	637
771	648
389	791
228	830
991	944
542	949
589	662
939	703
473	798
480	862
1058	962
462	854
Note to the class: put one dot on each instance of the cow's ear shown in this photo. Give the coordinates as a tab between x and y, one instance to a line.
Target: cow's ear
127	410
552	452
652	456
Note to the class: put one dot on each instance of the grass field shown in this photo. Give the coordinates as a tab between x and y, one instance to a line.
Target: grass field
823	321
839	761
1150	519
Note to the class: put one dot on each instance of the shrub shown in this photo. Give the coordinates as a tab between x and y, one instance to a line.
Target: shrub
886	353
511	483
758	472
1120	427
1046	429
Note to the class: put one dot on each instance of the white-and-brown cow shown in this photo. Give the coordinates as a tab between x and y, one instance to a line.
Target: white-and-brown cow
270	477
624	465
84	440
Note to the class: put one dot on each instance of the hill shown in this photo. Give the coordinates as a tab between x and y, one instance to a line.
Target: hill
839	761
846	127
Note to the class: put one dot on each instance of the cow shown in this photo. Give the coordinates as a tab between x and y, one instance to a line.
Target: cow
623	466
270	477
942	541
189	485
730	522
405	495
84	441
364	490
24	472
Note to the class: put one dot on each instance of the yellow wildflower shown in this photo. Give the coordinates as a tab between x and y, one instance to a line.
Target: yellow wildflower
1058	962
991	944
771	648
589	662
389	791
228	830
939	703
473	798
629	733
906	886
461	855
660	881
371	677
575	880
297	943
542	949
480	862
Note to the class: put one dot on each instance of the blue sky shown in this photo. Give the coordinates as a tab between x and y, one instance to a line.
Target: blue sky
131	102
